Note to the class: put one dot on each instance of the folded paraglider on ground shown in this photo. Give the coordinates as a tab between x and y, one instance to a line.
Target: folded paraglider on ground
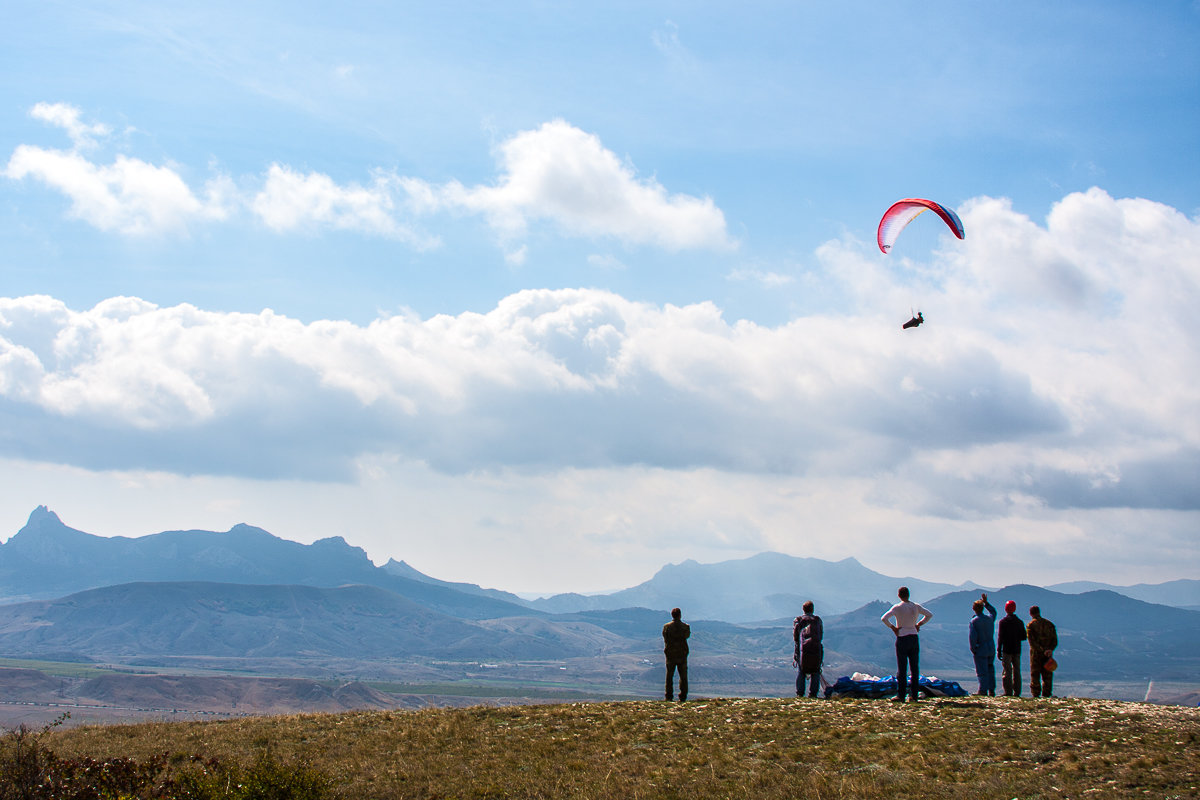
869	686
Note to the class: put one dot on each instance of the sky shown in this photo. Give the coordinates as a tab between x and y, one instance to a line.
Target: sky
546	296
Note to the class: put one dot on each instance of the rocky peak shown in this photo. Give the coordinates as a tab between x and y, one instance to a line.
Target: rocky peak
43	517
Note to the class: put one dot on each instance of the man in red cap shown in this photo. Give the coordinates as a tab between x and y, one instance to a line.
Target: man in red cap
1010	634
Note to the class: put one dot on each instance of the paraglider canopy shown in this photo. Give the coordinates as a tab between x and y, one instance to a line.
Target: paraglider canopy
905	211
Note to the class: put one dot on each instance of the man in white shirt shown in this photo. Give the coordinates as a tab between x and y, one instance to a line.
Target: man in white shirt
909	617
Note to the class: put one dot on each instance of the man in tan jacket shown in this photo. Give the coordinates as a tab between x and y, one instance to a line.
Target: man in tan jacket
1043	638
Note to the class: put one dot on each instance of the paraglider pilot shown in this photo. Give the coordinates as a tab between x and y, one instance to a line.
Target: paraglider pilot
914	322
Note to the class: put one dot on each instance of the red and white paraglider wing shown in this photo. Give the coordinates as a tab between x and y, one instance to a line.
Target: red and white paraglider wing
905	211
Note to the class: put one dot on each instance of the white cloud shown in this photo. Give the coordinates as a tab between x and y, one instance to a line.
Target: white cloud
575	420
557	173
67	117
290	200
128	196
563	174
1012	396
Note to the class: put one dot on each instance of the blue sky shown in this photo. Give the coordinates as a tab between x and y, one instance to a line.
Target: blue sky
544	297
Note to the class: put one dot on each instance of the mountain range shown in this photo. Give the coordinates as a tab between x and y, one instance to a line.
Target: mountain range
245	594
47	559
762	587
271	621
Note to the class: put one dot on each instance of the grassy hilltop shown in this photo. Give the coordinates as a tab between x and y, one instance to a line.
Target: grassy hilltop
751	748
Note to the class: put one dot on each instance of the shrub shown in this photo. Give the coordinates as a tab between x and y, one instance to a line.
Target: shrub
29	770
266	779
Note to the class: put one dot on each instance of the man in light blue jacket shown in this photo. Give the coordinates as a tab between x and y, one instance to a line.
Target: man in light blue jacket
983	644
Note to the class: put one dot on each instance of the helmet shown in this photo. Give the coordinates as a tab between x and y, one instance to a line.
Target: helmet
1050	665
1010	606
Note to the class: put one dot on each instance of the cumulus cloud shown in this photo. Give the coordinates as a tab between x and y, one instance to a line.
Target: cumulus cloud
557	173
128	196
1015	396
546	379
563	174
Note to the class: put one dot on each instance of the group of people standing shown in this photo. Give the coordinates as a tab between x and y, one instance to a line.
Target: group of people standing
905	619
1010	633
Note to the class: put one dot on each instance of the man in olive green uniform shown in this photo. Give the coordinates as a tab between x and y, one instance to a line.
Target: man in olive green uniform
675	646
1043	638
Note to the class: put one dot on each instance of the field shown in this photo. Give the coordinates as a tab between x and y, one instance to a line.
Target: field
736	747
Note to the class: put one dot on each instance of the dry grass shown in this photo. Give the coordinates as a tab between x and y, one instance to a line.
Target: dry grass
732	748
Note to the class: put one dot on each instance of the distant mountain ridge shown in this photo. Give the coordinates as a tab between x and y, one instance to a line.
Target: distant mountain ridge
762	587
1180	593
47	559
404	570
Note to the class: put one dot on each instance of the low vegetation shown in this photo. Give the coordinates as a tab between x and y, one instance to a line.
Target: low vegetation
30	770
748	748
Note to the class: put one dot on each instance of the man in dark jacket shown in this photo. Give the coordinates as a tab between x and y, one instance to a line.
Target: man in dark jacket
982	636
1043	638
807	632
1010	634
675	647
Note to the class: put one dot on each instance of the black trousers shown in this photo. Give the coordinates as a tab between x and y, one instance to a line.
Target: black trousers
682	667
813	679
908	653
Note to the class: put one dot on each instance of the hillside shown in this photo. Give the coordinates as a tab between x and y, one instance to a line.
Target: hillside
191	694
234	620
765	749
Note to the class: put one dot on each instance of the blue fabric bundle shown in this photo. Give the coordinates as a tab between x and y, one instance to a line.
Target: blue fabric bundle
886	687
